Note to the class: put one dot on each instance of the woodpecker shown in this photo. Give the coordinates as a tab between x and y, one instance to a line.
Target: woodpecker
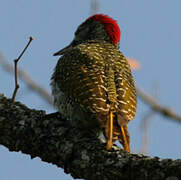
92	82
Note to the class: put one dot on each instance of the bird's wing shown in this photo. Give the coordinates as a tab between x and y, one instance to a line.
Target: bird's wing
81	77
126	93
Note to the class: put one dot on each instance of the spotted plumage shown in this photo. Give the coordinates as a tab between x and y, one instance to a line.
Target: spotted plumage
93	78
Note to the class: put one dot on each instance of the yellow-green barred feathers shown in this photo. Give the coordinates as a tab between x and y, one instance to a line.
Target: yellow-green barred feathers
95	76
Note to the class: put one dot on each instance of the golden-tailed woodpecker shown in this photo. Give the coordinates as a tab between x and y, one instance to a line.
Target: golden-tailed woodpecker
92	82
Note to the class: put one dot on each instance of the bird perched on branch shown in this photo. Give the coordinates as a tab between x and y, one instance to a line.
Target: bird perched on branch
92	82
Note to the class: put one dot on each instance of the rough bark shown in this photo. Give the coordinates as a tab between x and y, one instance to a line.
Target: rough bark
57	141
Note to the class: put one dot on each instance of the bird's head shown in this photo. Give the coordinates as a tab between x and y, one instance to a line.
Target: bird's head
96	27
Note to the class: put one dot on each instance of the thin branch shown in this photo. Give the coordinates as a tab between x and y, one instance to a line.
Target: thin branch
16	69
94	6
84	156
34	86
145	131
167	112
145	124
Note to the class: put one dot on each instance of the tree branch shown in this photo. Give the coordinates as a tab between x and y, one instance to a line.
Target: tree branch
57	141
167	112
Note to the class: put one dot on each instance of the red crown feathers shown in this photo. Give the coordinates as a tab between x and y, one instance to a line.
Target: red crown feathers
110	25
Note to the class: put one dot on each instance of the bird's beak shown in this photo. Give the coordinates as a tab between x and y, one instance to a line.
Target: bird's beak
62	51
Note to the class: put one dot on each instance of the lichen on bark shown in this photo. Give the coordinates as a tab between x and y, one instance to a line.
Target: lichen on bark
57	141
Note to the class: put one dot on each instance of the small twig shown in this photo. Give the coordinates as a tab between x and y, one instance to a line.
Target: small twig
145	124
27	79
16	69
94	6
145	131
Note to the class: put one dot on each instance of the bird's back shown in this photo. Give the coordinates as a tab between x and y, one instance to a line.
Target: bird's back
94	78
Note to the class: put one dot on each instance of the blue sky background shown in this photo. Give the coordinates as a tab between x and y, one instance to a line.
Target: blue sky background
150	33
